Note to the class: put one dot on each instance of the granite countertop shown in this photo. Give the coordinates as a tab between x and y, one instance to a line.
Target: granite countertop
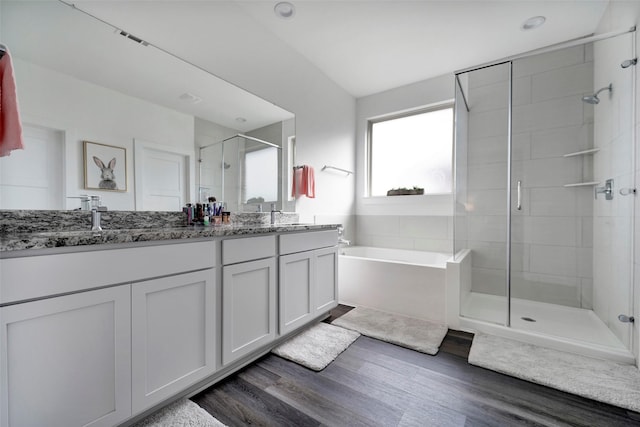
45	230
55	239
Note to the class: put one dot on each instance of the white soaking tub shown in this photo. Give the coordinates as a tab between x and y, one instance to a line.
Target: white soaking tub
411	283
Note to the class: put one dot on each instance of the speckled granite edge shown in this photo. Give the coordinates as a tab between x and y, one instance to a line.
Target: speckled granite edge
22	230
35	221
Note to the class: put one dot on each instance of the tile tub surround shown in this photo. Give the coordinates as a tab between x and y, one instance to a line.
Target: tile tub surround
21	230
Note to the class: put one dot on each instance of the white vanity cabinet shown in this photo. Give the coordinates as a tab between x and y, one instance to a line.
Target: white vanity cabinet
173	335
66	361
248	295
308	277
98	336
82	330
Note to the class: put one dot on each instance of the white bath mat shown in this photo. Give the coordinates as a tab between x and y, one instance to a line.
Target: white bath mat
596	379
416	334
183	413
318	346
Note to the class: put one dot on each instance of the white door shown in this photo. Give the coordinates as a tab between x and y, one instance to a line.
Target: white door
66	361
296	290
161	178
32	178
174	327
326	279
248	307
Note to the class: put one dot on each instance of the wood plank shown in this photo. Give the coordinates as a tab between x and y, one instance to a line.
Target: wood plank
340	395
237	402
377	383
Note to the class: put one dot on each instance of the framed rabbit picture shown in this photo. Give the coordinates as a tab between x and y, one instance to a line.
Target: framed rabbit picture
105	167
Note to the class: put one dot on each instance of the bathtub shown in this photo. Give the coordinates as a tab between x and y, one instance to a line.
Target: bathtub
410	283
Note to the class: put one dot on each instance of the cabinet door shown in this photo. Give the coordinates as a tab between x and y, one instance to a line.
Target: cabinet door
326	279
174	332
248	307
297	304
66	361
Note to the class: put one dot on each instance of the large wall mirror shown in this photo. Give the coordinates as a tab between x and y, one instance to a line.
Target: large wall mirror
88	89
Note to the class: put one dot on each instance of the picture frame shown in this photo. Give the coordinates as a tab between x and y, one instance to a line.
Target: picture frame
105	167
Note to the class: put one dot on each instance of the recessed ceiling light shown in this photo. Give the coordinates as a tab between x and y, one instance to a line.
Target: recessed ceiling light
284	10
241	119
533	22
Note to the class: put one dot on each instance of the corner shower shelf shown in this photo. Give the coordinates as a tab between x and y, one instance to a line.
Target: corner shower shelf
582	184
582	153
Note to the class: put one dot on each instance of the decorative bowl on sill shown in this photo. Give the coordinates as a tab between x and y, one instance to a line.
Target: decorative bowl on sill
405	191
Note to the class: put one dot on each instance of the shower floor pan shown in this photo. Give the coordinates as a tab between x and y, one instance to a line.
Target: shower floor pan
561	322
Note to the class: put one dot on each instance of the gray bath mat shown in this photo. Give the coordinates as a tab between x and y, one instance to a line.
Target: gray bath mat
318	346
409	332
183	413
596	379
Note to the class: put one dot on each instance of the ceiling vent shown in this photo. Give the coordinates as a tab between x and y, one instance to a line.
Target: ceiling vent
132	37
190	98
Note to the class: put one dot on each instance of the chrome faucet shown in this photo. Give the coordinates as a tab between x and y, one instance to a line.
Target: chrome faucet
95	217
341	239
273	213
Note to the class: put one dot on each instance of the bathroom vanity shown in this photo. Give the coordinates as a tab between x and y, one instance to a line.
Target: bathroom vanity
102	333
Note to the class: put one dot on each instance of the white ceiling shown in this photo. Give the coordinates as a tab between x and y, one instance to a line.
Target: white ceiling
371	46
365	46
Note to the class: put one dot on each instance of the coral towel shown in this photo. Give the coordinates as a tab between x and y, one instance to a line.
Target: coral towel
304	183
10	126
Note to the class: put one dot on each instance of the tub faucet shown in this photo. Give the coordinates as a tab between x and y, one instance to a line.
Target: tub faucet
341	239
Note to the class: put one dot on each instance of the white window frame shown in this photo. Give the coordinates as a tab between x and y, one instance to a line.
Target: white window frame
369	169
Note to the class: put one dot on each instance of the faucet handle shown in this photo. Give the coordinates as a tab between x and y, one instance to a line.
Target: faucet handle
96	201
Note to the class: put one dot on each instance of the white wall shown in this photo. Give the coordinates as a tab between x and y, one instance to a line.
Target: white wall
403	222
622	15
84	111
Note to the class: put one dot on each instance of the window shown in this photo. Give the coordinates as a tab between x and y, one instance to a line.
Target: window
412	150
261	175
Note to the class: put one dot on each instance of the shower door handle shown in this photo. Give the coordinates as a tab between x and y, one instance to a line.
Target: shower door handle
519	202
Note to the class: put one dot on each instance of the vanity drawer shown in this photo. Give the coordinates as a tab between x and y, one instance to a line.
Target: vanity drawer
248	249
40	276
300	242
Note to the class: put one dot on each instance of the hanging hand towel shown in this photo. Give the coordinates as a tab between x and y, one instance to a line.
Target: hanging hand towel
309	182
304	183
296	184
10	126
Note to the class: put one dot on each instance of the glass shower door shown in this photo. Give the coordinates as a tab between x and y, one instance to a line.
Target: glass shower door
482	154
571	231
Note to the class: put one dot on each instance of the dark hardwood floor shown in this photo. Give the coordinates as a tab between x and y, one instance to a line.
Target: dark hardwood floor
374	383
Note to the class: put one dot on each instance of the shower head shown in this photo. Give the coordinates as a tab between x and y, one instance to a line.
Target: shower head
593	99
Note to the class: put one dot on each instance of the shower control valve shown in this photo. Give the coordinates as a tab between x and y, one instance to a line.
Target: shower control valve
607	190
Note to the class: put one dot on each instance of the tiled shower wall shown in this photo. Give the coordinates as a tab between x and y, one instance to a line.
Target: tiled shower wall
552	234
613	230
